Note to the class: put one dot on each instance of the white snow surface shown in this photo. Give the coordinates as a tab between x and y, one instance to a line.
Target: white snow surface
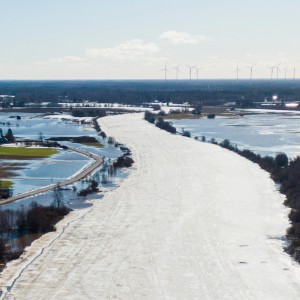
68	117
192	221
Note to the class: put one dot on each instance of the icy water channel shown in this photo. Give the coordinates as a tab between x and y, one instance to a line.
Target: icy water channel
54	169
266	134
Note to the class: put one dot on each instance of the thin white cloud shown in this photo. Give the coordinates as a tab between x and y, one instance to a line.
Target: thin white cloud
132	50
214	57
177	37
67	59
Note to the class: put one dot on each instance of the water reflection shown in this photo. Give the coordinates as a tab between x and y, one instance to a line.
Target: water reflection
58	167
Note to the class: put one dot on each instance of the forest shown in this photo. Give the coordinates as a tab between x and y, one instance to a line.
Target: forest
208	92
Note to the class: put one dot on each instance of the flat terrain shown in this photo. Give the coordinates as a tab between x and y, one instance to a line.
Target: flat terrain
192	221
80	175
5	184
25	153
7	169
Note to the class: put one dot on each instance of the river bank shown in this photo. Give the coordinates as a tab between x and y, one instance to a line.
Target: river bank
191	222
266	133
35	173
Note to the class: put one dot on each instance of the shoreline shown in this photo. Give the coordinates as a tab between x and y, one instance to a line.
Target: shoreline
82	173
198	227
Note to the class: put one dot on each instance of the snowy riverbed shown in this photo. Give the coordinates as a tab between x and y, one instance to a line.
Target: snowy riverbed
192	221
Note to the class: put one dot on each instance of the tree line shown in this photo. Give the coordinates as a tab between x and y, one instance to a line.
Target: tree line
8	137
37	219
159	122
209	92
286	173
283	171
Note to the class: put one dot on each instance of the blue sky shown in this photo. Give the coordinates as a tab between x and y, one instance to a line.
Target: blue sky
130	39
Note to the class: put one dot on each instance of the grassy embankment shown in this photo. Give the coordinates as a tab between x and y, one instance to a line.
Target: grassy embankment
205	111
6	184
25	153
95	144
19	153
84	140
182	115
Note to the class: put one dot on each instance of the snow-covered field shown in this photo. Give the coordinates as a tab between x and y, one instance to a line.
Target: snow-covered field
68	117
192	221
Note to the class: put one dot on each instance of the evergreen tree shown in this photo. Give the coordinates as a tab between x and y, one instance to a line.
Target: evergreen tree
10	136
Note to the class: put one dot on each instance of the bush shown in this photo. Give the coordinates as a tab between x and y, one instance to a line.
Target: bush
156	107
186	133
2	248
281	160
103	134
123	162
150	117
96	125
160	123
92	188
211	116
213	141
43	218
111	140
226	144
161	113
175	111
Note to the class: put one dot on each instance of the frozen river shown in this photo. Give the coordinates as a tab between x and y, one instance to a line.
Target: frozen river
192	221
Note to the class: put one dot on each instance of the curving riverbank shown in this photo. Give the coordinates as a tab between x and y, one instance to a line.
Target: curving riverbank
192	221
76	177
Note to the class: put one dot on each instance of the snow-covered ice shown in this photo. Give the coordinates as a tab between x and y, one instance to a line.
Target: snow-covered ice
192	221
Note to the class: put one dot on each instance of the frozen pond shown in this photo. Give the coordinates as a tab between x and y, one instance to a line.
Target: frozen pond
266	134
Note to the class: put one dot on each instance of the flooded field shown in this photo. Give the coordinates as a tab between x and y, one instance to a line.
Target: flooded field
266	134
41	172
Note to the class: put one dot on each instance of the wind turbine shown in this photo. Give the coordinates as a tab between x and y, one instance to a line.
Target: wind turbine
294	75
166	70
197	72
251	70
272	71
237	70
177	71
190	67
277	70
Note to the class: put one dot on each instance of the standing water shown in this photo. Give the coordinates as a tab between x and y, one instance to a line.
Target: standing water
266	134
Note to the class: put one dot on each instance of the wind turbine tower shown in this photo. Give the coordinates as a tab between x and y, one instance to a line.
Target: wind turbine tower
165	69
177	71
197	72
294	75
190	67
277	70
272	71
251	71
237	70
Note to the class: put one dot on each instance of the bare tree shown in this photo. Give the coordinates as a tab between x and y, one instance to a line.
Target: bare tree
58	200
